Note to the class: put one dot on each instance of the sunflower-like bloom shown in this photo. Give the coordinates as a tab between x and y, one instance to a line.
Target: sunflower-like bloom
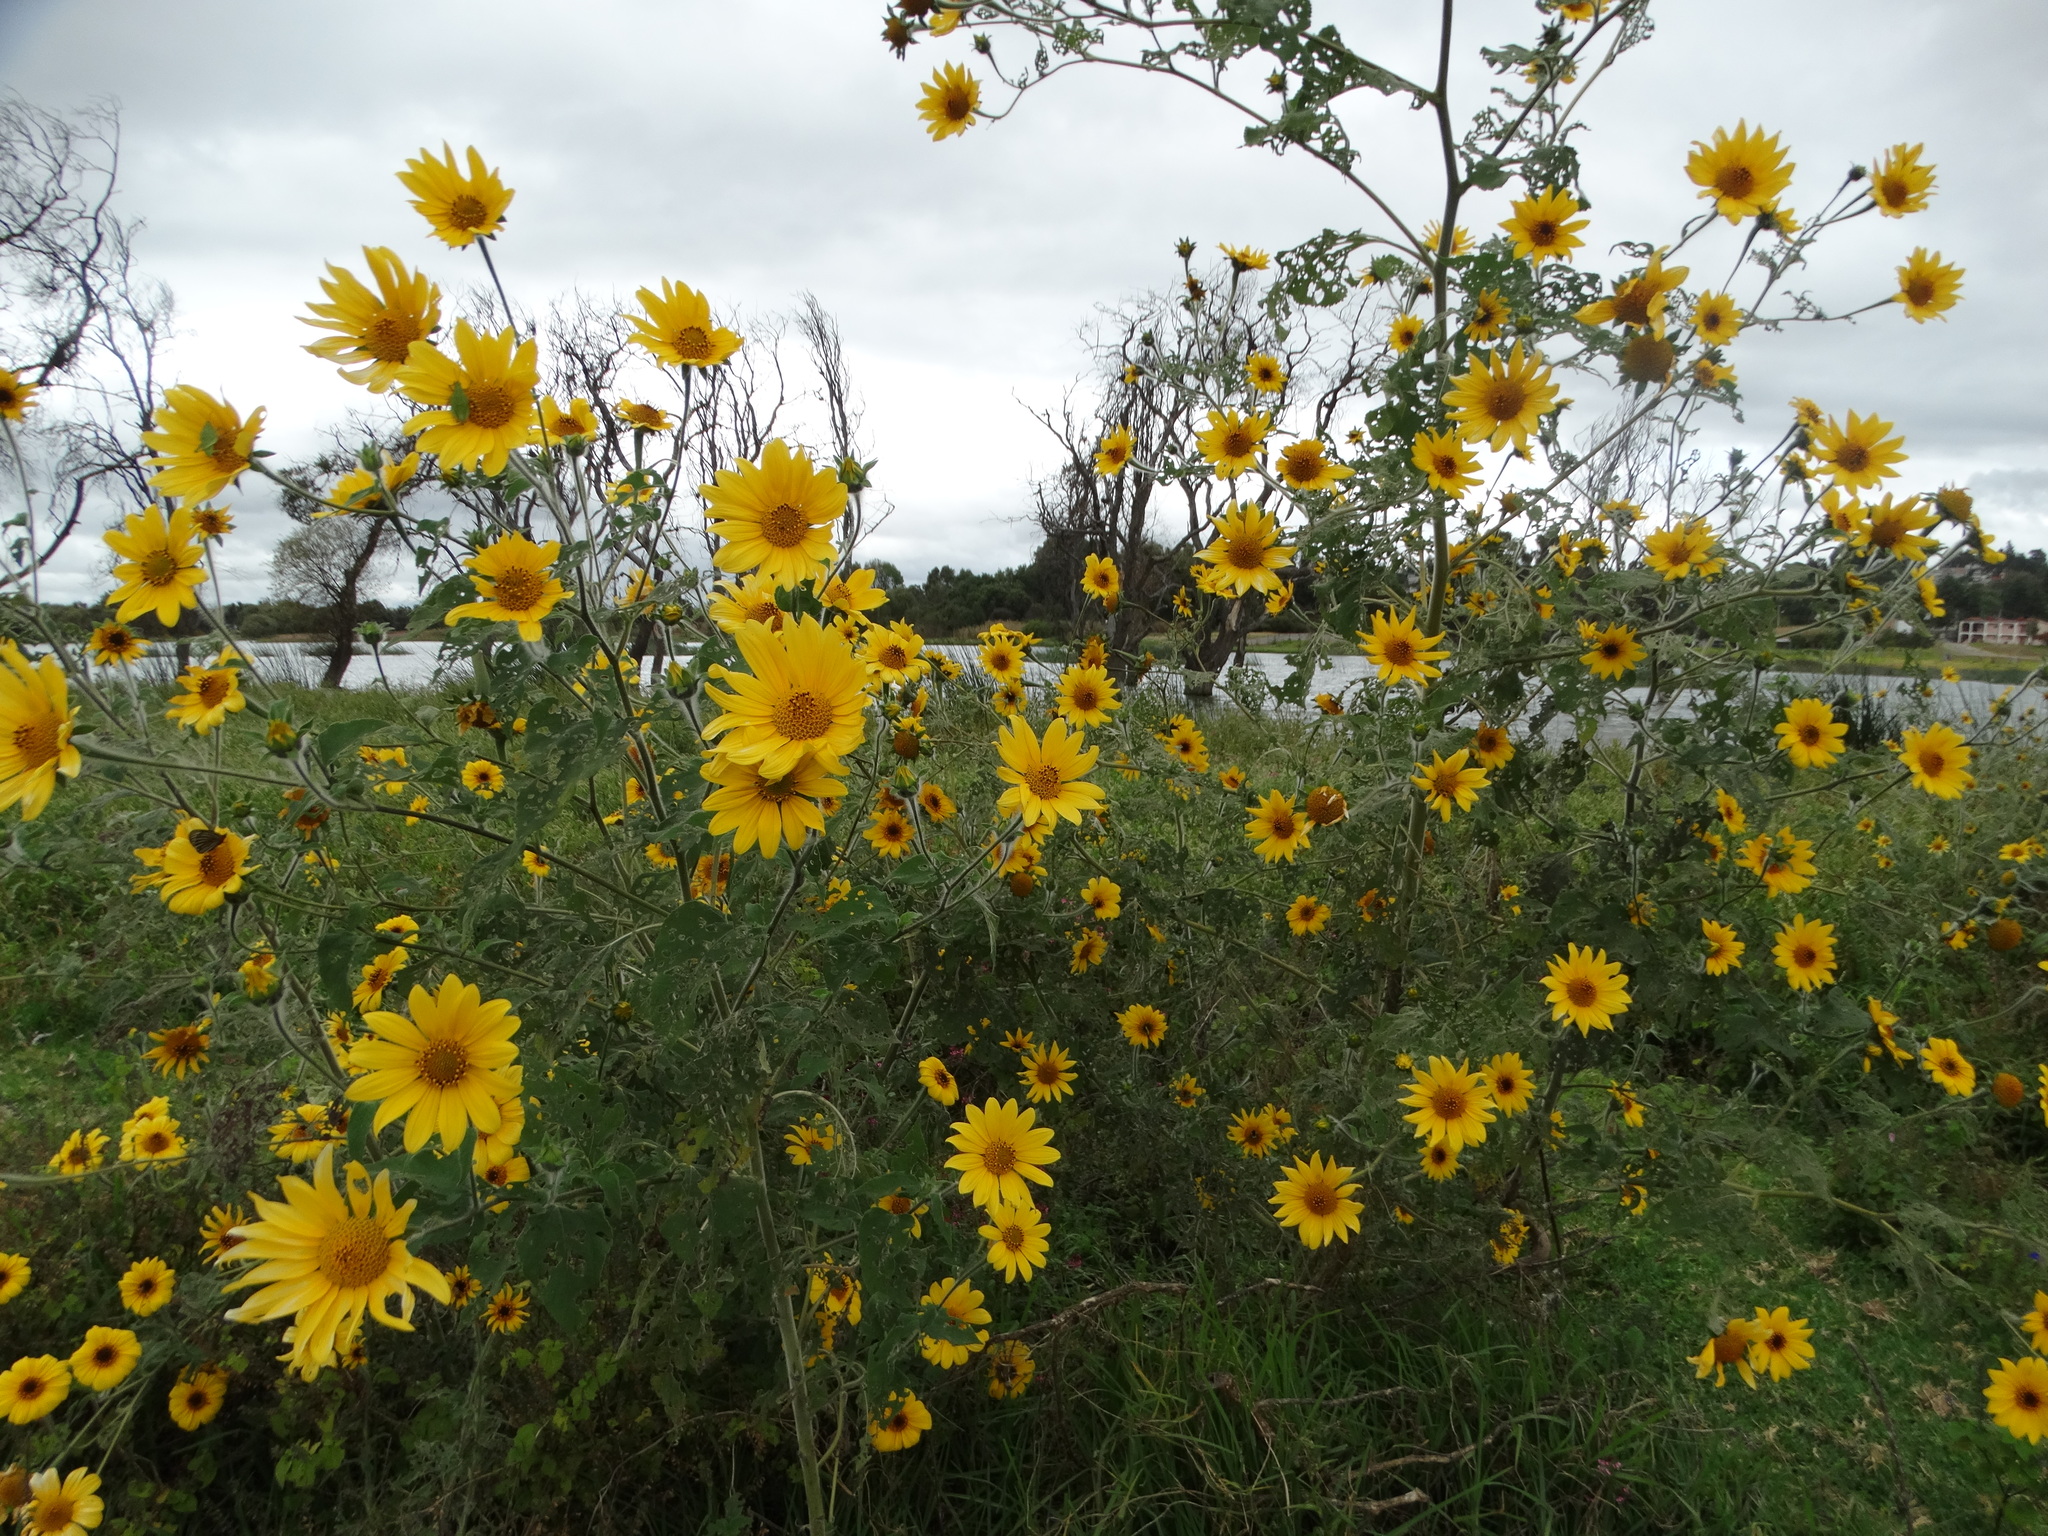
1510	1085
480	402
1947	1065
1018	1238
33	1386
1687	550
1545	227
202	445
949	101
1276	829
1399	649
372	486
1449	1103
961	1303
1231	442
1405	332
158	566
442	1068
1810	734
460	208
1724	949
1101	580
1086	696
1730	1346
1586	989
105	1358
1143	1025
1859	454
805	693
211	695
1500	400
1491	746
1637	301
325	1257
775	517
1805	951
1614	650
891	654
1304	466
1114	451
197	870
559	423
36	718
1313	1198
1896	529
1779	1343
1928	286
1046	776
2016	1399
938	1081
1715	319
1246	554
1742	173
1446	463
16	395
769	811
15	1272
1265	373
1939	760
677	329
1000	1147
1047	1073
1489	313
1447	784
1901	184
854	592
515	584
115	645
67	1507
1307	915
373	331
748	600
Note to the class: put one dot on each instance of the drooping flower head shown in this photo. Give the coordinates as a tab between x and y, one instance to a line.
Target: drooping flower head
767	811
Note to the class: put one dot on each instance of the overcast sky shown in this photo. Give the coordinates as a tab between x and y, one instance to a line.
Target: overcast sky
763	148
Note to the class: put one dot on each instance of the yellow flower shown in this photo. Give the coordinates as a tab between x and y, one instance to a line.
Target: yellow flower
1489	313
1948	1067
999	1147
806	693
949	103
1088	950
1313	1198
1497	401
1104	897
1637	302
1780	1343
1276	829
1742	173
1184	740
197	1396
1675	553
211	695
1901	184
151	1139
1730	1346
1046	777
1810	734
1306	915
1894	529
1255	1131
460	208
81	1152
15	1272
372	486
158	568
115	645
515	584
33	1386
1447	784
1399	650
326	1257
1143	1025
67	1508
1510	1084
2017	1398
1246	554
1114	451
1303	466
16	395
1449	1104
506	1311
1859	454
1805	951
1048	1073
961	1303
763	810
1715	319
1938	759
442	1068
1490	746
1724	951
775	517
938	1082
105	1358
1439	1161
1614	650
482	777
1446	463
198	869
373	331
1928	286
1265	373
676	328
36	717
1729	809
1586	989
1086	696
202	446
1010	1369
1405	332
807	1137
1545	226
1231	442
146	1286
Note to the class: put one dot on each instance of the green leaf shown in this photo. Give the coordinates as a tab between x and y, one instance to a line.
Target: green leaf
331	743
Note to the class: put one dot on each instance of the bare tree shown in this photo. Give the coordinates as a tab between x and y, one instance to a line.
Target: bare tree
328	561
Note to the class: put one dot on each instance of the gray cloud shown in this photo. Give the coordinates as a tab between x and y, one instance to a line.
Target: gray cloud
759	150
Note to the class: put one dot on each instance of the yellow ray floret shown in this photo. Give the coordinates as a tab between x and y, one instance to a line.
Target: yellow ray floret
775	517
480	403
515	584
442	1068
676	328
1046	776
1246	555
373	331
460	208
202	444
36	717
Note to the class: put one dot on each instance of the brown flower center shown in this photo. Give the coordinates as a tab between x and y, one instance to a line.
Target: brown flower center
958	106
691	343
355	1253
36	740
159	567
1803	956
217	865
999	1157
1282	825
893	656
1321	1201
1044	781
2027	1400
1542	232
29	1388
1238	444
1809	734
1853	457
785	526
214	687
1920	290
1504	399
466	211
491	405
1444	784
443	1063
1048	1073
1449	1104
390	336
1735	182
1580	992
517	588
801	716
1632	304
